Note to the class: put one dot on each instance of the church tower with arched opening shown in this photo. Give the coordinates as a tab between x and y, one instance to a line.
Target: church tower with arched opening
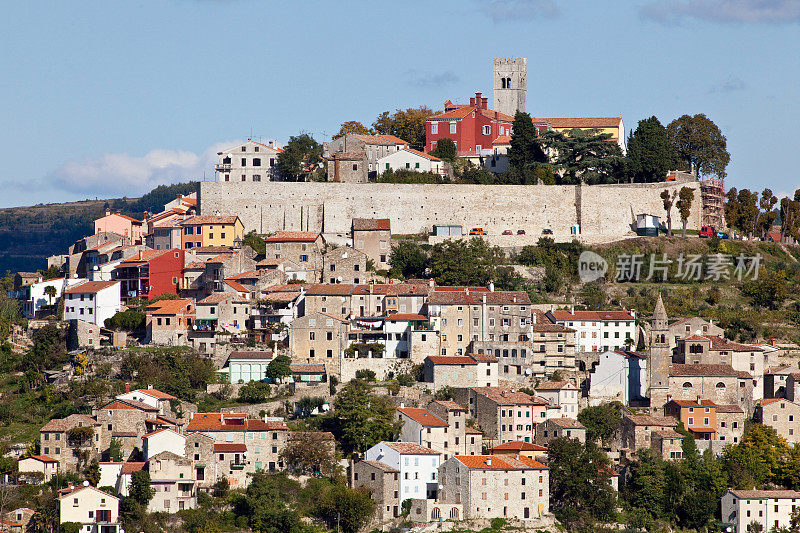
510	79
660	358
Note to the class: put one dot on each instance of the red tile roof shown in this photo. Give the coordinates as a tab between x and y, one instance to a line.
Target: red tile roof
168	307
552	385
393	139
422	154
423	417
581	122
232	422
307	369
451	360
380	466
222	447
497	462
293	236
129	468
91	287
702	370
155	393
502	139
462	297
409	448
209	219
371	224
693	403
519	446
216	298
42	458
235	285
504	396
582	316
142	257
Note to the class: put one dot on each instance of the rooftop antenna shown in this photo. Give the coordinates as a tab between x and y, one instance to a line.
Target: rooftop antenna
251	134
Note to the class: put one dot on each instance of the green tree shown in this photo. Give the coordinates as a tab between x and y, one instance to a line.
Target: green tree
346	508
699	144
580	487
525	153
353	126
300	158
445	150
408	259
254	392
650	154
140	490
364	418
279	367
668	199
92	473
408	125
768	215
646	486
128	320
309	452
50	291
684	205
266	504
462	262
115	450
584	156
770	290
600	421
256	242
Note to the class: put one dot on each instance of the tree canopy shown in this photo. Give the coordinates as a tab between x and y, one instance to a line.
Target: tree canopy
650	154
353	126
699	144
408	124
584	156
526	152
300	158
364	418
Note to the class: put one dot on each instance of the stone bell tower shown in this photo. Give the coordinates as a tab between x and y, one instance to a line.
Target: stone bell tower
510	79
660	358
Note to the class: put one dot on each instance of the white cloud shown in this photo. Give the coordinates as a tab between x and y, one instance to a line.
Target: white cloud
724	11
731	84
429	79
519	10
122	174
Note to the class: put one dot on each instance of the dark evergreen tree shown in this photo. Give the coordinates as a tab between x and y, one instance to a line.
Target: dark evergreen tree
650	154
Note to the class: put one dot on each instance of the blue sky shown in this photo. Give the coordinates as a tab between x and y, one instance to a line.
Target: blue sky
112	98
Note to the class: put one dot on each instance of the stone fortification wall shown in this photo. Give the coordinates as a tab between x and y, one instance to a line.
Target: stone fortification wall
605	212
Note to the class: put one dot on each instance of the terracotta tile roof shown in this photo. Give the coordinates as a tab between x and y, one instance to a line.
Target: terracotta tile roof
127	404
307	369
235	285
483	357
668	434
142	257
502	139
253	355
499	462
250	274
240	422
719	343
581	122
472	431
156	432
599	316
451	360
293	236
209	219
130	467
155	393
693	403
566	423
423	417
504	396
64	424
764	494
409	448
767	401
439	297
549	327
195	265
393	139
337	289
380	466
371	224
391	289
168	307
449	404
552	385
702	370
347	156
519	446
91	287
648	420
216	298
275	148
532	463
42	458
222	447
221	258
402	317
729	408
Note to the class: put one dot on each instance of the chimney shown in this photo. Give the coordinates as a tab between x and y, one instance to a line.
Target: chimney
533	316
472	101
484	103
698	399
478	100
127	388
773	341
572	309
140	255
466	291
431	283
108	212
489	461
491	286
149	387
514	299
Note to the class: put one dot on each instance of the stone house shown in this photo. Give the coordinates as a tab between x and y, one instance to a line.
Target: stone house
163	440
383	483
720	383
345	265
167	404
730	423
71	447
200	449
668	443
456	417
331	299
303	247
446	435
503	414
369	148
776	379
348	167
464	316
251	162
491	486
687	327
793	387
771	509
169	322
562	397
21	516
42	464
95	510
635	431
373	236
471	370
554	346
173	484
554	428
782	415
318	338
126	422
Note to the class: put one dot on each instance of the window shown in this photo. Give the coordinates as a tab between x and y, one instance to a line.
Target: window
452	127
256	161
487	130
434	131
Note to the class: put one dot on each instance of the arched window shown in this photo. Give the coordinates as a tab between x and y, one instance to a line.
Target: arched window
687	385
435	514
720	385
508	83
503	83
454	513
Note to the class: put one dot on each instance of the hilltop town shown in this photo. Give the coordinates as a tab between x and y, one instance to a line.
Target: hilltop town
389	334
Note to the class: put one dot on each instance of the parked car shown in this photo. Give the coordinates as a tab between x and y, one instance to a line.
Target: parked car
476	231
707	232
508	232
723	235
547	231
520	232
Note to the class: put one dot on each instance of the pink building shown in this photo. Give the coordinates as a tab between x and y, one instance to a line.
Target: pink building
121	225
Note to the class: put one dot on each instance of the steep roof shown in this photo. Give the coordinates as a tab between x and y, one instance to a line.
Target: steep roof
155	393
423	417
130	467
91	287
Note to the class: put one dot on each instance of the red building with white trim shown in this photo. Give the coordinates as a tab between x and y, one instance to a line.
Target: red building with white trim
472	127
150	274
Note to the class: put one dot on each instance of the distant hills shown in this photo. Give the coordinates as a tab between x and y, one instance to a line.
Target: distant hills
29	234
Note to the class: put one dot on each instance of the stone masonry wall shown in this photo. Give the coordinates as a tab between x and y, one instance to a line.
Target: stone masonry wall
605	212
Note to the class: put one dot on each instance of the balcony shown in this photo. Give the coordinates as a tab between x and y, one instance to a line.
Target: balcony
222	167
236	465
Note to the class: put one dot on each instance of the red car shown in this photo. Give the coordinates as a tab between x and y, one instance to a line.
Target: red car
706	232
507	232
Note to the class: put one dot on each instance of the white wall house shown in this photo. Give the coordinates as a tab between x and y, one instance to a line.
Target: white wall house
249	161
93	301
163	440
96	511
598	331
410	159
770	508
619	376
33	297
418	467
562	397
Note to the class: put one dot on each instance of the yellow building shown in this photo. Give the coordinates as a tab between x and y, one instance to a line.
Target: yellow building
610	125
212	230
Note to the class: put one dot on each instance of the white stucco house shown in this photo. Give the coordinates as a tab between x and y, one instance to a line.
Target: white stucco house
418	467
410	159
33	297
95	510
620	375
92	301
163	440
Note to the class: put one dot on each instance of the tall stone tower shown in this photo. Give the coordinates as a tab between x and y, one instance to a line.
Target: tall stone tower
510	80
660	358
